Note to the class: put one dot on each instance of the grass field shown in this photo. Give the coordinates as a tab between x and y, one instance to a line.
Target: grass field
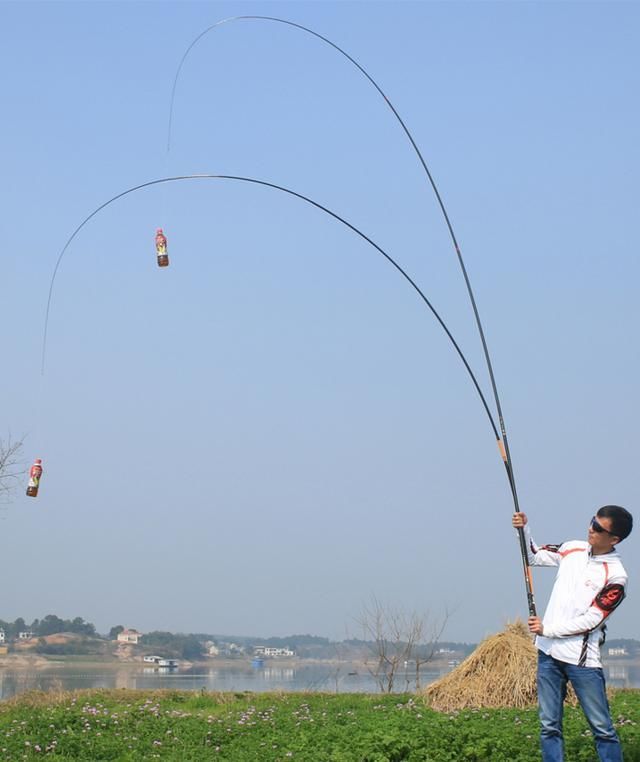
140	725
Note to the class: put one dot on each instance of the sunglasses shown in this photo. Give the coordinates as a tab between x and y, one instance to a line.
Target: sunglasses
597	527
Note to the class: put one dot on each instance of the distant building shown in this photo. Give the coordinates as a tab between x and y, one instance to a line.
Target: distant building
269	651
25	635
129	636
2	636
230	649
618	651
213	650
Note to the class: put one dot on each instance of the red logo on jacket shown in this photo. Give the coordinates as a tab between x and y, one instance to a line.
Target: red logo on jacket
609	598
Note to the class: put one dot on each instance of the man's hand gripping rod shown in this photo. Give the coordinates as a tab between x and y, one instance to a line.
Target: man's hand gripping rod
503	447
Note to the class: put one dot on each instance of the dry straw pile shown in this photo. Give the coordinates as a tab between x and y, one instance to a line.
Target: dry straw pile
501	672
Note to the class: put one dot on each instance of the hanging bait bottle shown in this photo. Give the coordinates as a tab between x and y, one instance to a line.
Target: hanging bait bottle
34	478
161	248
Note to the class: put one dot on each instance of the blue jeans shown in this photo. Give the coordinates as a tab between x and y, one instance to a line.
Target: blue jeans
588	683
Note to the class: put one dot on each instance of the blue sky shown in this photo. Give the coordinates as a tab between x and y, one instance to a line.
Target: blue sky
274	429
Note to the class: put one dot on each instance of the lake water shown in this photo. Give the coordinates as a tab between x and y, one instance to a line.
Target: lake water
332	678
344	678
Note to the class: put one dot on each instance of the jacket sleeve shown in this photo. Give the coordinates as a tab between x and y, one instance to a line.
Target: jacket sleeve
603	605
545	555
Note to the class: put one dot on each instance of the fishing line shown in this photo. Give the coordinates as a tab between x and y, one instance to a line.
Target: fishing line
281	188
503	443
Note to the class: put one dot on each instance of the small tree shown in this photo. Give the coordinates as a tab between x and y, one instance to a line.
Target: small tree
78	625
19	625
51	624
115	631
396	638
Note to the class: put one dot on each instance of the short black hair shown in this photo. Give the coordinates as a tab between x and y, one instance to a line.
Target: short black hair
621	520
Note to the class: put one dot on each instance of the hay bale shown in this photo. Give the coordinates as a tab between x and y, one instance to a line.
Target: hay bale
501	672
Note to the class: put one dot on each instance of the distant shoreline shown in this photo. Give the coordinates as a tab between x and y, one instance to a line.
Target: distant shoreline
39	662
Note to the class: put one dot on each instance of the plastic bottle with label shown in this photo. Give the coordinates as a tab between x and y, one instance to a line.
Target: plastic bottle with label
161	248
34	478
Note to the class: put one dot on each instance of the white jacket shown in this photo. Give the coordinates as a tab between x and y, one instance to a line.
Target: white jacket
587	590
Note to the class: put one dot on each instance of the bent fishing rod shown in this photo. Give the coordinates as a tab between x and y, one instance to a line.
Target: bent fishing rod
282	189
502	441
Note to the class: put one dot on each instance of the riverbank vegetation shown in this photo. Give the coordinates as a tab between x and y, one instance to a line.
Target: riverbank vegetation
139	725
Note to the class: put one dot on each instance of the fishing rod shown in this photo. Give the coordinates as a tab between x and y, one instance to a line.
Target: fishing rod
502	441
283	189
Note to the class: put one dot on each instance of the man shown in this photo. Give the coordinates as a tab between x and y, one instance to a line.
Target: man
589	586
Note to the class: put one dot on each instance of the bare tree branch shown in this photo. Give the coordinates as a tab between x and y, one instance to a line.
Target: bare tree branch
396	639
12	467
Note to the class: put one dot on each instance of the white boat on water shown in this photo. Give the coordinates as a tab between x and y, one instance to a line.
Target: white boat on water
160	661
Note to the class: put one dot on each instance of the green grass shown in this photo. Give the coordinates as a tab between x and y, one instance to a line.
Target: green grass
265	727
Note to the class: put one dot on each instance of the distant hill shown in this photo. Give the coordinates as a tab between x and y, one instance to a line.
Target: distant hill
64	643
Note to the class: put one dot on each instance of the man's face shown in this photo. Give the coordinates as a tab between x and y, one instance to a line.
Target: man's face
601	542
